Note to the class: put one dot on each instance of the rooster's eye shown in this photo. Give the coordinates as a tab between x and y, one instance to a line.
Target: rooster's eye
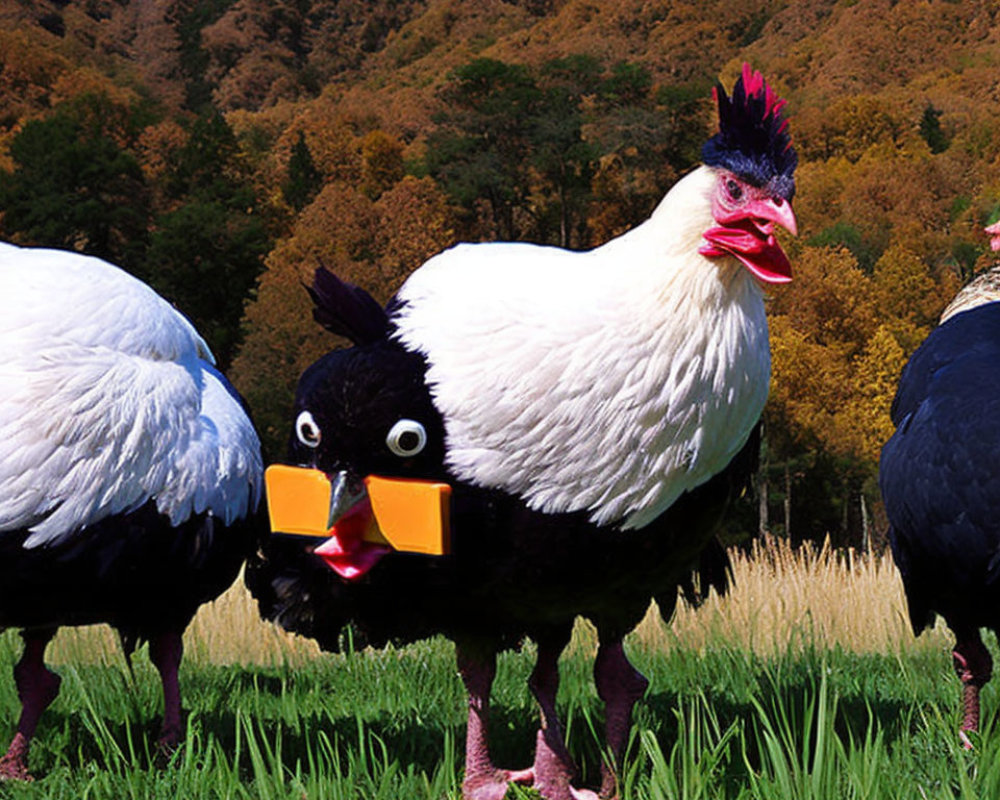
734	189
406	438
307	430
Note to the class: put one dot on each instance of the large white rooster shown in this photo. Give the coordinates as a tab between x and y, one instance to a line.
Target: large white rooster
591	412
129	471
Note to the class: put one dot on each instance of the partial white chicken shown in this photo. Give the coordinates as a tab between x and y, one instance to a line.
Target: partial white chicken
130	473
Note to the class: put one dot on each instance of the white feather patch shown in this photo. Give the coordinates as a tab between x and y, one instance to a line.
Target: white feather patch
106	402
221	470
610	381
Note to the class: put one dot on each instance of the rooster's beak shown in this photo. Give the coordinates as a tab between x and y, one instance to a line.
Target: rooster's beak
749	235
776	210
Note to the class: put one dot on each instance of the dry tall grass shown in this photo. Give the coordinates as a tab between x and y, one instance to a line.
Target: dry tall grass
786	598
782	598
226	631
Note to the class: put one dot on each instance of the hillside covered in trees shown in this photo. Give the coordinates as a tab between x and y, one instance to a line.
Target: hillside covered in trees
222	149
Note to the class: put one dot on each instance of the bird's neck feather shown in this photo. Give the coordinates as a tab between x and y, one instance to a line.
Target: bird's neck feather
679	220
662	260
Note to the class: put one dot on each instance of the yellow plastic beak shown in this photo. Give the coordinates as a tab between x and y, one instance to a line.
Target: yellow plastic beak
298	500
409	515
412	515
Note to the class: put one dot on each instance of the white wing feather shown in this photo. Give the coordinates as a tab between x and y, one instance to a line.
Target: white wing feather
610	381
221	470
106	402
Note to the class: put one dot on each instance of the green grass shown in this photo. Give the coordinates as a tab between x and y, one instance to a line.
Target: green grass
390	724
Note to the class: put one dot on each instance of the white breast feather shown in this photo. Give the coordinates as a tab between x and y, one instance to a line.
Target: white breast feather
106	402
610	381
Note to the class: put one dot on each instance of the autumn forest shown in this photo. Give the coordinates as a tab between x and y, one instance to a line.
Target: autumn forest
221	150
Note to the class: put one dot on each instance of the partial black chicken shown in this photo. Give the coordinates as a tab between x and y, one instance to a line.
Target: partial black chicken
593	413
940	480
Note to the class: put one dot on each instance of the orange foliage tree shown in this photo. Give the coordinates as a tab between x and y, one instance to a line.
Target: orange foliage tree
839	339
372	244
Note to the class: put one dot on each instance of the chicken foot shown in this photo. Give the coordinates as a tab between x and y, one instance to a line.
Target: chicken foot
165	651
974	667
553	769
620	686
37	687
477	665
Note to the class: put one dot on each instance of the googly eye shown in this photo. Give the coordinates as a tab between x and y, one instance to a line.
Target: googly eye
406	438
307	430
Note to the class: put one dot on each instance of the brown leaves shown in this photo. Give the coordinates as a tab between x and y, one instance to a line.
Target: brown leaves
27	73
839	339
381	162
415	222
372	244
828	299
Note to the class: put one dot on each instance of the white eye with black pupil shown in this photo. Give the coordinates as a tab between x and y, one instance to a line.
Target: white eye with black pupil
307	430
406	438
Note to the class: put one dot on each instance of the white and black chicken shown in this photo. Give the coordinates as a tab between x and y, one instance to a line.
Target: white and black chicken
130	473
592	412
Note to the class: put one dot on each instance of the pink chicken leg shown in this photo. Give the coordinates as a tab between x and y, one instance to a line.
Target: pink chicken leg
37	687
483	781
974	667
553	769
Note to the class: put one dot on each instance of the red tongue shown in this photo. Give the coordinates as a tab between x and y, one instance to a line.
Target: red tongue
760	254
345	552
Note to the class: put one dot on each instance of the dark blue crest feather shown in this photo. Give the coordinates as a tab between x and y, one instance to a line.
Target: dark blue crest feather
753	140
345	309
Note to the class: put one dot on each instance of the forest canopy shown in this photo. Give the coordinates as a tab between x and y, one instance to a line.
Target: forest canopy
223	150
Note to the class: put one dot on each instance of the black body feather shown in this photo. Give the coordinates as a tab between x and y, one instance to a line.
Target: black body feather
940	474
513	571
135	572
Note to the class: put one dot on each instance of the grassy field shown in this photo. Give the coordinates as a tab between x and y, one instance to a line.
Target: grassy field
804	683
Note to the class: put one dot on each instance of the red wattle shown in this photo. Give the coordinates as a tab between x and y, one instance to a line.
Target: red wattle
759	253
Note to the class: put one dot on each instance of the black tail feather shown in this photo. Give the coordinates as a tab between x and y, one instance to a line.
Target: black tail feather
345	309
713	572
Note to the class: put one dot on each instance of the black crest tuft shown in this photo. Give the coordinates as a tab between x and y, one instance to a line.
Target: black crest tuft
753	140
345	309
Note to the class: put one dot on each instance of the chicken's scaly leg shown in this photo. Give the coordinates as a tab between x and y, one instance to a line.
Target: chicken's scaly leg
477	664
166	651
37	687
554	768
974	668
620	686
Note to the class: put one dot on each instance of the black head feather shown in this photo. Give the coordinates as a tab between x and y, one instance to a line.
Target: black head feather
753	140
345	309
